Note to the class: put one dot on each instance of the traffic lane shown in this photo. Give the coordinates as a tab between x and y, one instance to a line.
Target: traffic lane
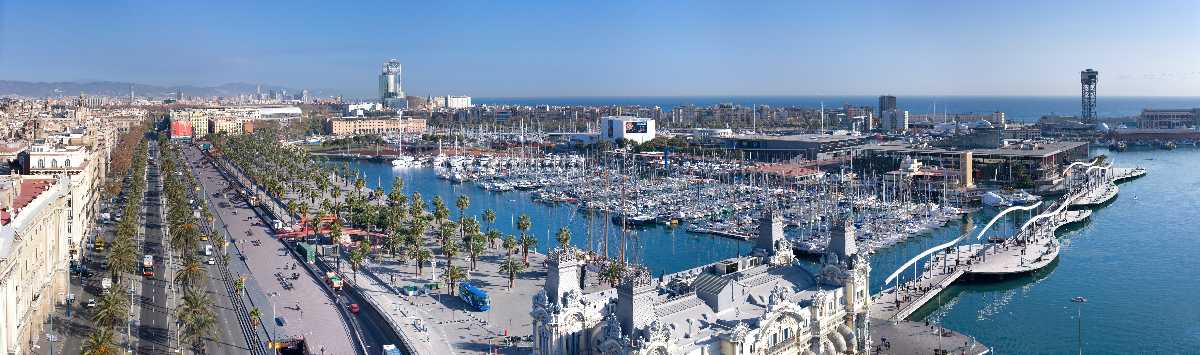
155	317
268	257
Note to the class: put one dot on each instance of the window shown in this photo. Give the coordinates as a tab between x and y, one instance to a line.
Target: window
54	163
41	163
67	163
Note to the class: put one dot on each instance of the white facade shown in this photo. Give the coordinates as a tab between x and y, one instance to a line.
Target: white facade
756	304
458	101
34	251
389	81
636	129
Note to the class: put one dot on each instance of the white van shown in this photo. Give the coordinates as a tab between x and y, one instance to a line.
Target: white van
208	250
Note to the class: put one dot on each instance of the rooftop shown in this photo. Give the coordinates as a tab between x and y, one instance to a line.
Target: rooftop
1036	149
812	138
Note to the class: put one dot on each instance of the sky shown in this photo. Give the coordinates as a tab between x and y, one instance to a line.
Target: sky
615	48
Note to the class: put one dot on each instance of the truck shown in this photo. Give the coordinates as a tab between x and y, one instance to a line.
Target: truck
333	280
391	349
148	266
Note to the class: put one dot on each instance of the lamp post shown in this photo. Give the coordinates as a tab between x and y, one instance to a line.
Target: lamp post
1079	301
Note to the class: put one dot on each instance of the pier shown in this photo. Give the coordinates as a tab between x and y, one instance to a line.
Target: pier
1033	247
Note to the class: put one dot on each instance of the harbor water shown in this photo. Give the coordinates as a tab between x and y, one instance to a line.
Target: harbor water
1134	261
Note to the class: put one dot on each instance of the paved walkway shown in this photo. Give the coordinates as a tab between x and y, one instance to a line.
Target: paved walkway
261	256
450	325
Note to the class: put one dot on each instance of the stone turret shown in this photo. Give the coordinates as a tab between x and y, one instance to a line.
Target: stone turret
635	299
562	274
842	240
771	243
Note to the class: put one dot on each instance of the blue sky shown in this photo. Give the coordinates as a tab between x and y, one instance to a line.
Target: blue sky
616	48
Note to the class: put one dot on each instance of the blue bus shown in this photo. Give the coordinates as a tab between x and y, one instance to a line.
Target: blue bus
474	296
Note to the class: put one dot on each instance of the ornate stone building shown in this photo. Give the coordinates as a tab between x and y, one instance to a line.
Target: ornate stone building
762	303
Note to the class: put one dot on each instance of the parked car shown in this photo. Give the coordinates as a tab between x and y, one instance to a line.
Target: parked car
354	308
91	303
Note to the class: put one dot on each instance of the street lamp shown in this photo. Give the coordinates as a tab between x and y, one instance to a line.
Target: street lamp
1079	301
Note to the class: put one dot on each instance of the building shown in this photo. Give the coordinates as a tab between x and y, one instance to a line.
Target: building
893	120
800	146
354	126
48	159
886	103
457	102
1025	165
636	129
762	303
230	125
34	254
1169	118
391	92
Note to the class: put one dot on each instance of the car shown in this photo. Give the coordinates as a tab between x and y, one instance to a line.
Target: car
91	303
353	308
212	261
280	321
85	273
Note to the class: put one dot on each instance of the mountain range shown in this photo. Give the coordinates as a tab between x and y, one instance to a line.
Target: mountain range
10	88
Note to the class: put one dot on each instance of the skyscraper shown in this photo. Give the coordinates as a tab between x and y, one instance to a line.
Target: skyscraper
886	102
391	93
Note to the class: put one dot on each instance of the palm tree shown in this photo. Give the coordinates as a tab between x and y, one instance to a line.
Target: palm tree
397	193
512	267
445	232
122	257
358	255
527	242
492	235
417	207
462	203
453	274
613	273
563	237
112	309
440	212
450	250
100	342
196	318
476	246
524	223
509	244
422	255
489	216
192	273
255	316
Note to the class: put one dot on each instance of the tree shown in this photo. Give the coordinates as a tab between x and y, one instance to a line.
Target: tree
511	267
196	318
358	255
462	203
450	250
255	316
476	246
613	273
453	275
417	207
100	342
422	255
563	237
112	308
192	273
527	242
122	256
440	212
509	244
445	232
489	216
396	196
492	235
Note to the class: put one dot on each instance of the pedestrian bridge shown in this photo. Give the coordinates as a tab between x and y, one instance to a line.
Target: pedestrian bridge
1033	247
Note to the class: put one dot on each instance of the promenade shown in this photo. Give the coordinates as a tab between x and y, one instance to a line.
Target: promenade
298	311
1033	247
